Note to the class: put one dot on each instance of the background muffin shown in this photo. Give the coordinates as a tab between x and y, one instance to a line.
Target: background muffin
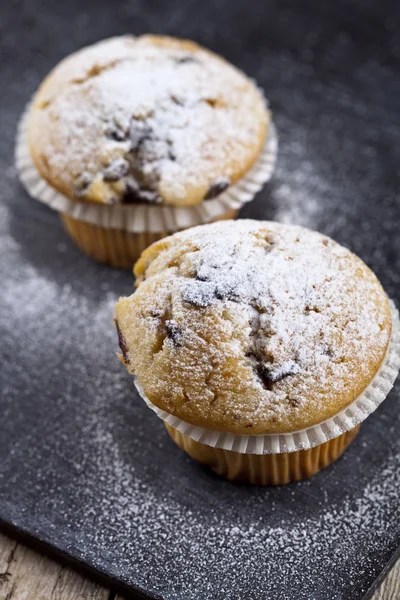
253	328
151	120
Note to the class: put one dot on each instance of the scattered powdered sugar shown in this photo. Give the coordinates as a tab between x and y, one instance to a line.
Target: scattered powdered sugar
203	537
180	118
87	468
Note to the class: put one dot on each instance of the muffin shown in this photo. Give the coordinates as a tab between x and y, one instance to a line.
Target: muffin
257	333
143	136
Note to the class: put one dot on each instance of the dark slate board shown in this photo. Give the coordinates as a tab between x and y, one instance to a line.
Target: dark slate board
85	467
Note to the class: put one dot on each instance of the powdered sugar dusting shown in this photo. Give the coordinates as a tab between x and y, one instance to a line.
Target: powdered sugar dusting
307	318
292	280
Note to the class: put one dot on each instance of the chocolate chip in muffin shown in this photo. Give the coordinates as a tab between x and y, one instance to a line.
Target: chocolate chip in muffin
177	100
181	60
149	196
174	332
201	276
294	402
268	371
82	183
139	131
225	292
259	368
271	374
132	189
265	376
134	194
116	133
116	170
217	187
203	291
122	345
328	351
171	155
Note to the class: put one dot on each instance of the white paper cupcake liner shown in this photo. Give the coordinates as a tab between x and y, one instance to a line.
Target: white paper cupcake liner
138	218
304	439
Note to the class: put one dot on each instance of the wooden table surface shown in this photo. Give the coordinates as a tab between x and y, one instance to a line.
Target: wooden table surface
28	575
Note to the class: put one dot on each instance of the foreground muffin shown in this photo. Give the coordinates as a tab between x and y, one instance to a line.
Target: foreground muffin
148	121
254	328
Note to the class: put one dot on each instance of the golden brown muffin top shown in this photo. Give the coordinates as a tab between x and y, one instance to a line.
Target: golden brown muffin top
253	327
148	119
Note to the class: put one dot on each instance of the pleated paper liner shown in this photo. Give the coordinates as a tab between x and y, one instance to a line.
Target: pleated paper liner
265	469
305	439
142	217
116	247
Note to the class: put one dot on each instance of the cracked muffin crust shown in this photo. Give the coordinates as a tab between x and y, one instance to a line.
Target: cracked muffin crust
253	327
150	119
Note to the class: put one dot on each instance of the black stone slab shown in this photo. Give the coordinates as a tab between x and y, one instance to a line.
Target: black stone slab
85	467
